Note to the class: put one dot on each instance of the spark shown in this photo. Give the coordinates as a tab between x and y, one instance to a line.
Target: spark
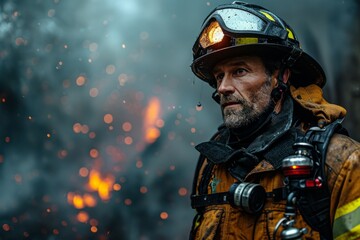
94	92
139	164
20	41
6	227
80	80
123	78
127	126
82	216
83	172
108	118
117	187
128	140
182	191
143	189
110	69
164	215
94	153
128	202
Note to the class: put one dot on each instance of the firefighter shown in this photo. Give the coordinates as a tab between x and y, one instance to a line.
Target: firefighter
281	166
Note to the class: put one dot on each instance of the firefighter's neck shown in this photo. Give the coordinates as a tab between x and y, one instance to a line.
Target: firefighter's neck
247	133
244	135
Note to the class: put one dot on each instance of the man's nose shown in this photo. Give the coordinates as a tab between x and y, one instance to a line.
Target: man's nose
226	86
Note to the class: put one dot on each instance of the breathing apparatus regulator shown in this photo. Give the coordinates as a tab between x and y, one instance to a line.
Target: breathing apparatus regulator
301	172
248	196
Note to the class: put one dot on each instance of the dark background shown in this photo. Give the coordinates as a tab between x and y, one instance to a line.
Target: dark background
83	84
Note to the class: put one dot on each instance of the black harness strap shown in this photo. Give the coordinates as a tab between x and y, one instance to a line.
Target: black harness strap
206	178
204	200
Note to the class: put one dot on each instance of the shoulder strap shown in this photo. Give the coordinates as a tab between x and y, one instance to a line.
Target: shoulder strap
314	205
221	135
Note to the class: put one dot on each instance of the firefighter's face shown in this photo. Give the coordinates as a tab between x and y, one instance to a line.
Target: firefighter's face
244	88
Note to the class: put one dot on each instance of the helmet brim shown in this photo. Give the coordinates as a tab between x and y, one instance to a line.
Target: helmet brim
305	71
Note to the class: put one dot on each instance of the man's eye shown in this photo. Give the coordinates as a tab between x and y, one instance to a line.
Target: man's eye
219	77
240	71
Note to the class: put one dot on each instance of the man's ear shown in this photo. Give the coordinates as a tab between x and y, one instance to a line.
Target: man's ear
281	77
286	75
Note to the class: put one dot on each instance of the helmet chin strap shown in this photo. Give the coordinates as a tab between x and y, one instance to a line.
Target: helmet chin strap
287	63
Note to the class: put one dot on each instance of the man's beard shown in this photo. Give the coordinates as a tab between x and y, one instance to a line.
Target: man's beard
251	111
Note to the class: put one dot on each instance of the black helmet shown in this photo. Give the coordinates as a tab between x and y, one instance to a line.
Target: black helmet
240	28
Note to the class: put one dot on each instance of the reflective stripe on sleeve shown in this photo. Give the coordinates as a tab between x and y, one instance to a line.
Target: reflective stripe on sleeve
347	221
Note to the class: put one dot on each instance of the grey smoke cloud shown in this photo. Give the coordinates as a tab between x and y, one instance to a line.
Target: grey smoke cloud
77	89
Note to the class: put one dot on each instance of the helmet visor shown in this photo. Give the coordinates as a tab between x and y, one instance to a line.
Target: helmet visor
235	22
240	20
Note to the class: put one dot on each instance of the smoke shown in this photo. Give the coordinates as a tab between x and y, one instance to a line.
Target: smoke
99	114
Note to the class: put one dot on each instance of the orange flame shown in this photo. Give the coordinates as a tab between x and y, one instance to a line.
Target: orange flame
152	114
80	201
102	185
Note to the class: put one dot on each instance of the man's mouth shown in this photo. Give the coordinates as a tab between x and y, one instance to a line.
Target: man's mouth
229	104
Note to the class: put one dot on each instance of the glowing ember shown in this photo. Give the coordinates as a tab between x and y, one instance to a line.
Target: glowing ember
78	202
82	216
94	180
117	187
89	200
182	191
164	215
93	229
6	227
84	172
94	153
80	81
94	92
108	118
127	126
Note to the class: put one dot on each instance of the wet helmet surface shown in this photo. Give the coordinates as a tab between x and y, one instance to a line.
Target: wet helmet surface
239	28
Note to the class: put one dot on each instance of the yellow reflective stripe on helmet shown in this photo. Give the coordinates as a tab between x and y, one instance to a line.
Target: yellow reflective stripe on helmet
290	34
268	16
347	221
242	41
